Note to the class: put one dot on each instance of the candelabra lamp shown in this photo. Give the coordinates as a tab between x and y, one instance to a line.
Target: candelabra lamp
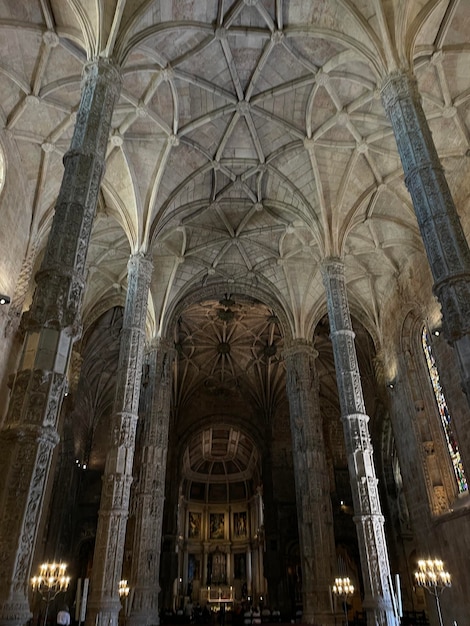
432	576
124	594
343	589
51	581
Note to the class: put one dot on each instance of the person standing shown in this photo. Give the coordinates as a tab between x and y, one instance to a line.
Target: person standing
63	616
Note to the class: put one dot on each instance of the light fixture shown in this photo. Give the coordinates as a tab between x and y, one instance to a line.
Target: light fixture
124	595
50	582
4	299
343	588
432	576
123	588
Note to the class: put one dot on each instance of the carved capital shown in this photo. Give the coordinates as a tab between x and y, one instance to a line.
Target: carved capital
398	86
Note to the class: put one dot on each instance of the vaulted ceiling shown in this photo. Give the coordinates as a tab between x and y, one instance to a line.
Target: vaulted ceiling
249	140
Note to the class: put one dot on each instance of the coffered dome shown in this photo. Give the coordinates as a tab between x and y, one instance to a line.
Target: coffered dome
220	464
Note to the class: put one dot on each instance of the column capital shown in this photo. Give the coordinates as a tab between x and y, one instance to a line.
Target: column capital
334	281
104	69
298	346
160	343
332	264
142	261
331	268
398	85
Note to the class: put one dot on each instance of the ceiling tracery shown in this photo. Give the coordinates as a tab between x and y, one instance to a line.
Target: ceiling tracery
248	144
229	346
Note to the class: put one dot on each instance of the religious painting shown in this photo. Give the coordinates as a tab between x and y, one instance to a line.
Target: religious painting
239	561
217	526
218	567
194	568
239	524
194	528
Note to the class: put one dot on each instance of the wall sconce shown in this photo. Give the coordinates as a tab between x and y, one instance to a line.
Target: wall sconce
4	299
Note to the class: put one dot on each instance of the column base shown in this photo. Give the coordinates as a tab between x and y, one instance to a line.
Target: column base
319	619
15	611
315	611
379	612
106	615
143	618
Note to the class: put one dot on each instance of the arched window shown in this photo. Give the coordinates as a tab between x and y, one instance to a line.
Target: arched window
444	414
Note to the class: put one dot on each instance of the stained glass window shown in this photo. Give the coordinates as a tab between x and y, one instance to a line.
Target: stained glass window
444	414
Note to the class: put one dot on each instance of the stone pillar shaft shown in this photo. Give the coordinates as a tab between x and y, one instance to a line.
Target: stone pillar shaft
314	510
204	565
104	604
249	572
441	230
150	493
29	433
61	279
368	516
273	554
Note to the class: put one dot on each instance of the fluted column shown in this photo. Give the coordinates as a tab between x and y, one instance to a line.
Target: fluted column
104	604
441	230
314	510
29	433
378	599
145	572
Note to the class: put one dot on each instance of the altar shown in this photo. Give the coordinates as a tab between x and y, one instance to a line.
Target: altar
216	595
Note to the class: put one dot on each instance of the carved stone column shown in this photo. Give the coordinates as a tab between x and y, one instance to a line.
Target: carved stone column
314	510
378	598
273	552
443	237
29	433
170	547
104	604
150	491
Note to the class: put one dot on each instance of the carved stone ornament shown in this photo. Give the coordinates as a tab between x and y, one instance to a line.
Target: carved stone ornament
150	495
314	511
368	516
115	500
442	233
30	429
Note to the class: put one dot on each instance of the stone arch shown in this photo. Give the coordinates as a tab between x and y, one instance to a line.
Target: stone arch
260	293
